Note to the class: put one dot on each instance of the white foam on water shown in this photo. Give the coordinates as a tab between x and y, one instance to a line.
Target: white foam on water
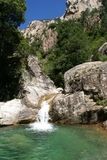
42	123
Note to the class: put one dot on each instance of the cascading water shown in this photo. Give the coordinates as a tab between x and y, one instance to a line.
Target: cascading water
42	123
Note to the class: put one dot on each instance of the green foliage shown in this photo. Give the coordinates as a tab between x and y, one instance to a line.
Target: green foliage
36	48
11	16
102	102
72	48
103	13
78	41
11	12
23	49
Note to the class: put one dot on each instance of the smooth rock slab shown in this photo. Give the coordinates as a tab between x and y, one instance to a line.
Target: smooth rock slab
13	112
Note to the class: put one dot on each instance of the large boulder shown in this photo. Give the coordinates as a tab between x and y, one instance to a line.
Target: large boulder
75	108
85	86
14	111
89	77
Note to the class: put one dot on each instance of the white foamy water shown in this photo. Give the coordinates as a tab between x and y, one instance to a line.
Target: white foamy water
42	123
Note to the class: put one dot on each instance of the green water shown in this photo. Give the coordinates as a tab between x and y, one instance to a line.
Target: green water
65	143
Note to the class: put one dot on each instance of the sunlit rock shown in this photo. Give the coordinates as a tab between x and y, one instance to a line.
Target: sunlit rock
35	83
13	112
40	30
76	7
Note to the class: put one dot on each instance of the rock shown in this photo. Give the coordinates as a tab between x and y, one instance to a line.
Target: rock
35	83
105	124
13	112
74	108
89	77
76	7
85	84
48	37
59	90
35	87
40	30
103	49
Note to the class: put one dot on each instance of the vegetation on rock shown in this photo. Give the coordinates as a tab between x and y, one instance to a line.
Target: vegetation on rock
78	41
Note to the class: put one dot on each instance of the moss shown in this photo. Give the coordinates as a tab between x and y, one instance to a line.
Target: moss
102	102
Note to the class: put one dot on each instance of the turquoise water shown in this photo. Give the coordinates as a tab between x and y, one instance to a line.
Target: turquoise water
65	143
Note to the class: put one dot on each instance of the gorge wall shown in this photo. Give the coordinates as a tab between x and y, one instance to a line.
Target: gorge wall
40	29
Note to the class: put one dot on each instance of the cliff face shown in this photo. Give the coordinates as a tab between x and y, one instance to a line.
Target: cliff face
76	7
40	29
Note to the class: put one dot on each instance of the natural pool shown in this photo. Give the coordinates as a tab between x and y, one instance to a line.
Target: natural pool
64	143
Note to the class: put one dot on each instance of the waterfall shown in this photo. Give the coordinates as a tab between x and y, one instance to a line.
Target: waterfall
42	123
43	115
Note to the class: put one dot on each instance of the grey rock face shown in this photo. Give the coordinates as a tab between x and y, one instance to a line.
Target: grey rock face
35	83
89	77
76	7
40	30
13	112
74	108
84	85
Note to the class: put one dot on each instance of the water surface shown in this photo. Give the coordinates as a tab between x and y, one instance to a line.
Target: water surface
64	143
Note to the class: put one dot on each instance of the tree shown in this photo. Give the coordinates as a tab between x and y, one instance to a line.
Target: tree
11	16
104	16
72	48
